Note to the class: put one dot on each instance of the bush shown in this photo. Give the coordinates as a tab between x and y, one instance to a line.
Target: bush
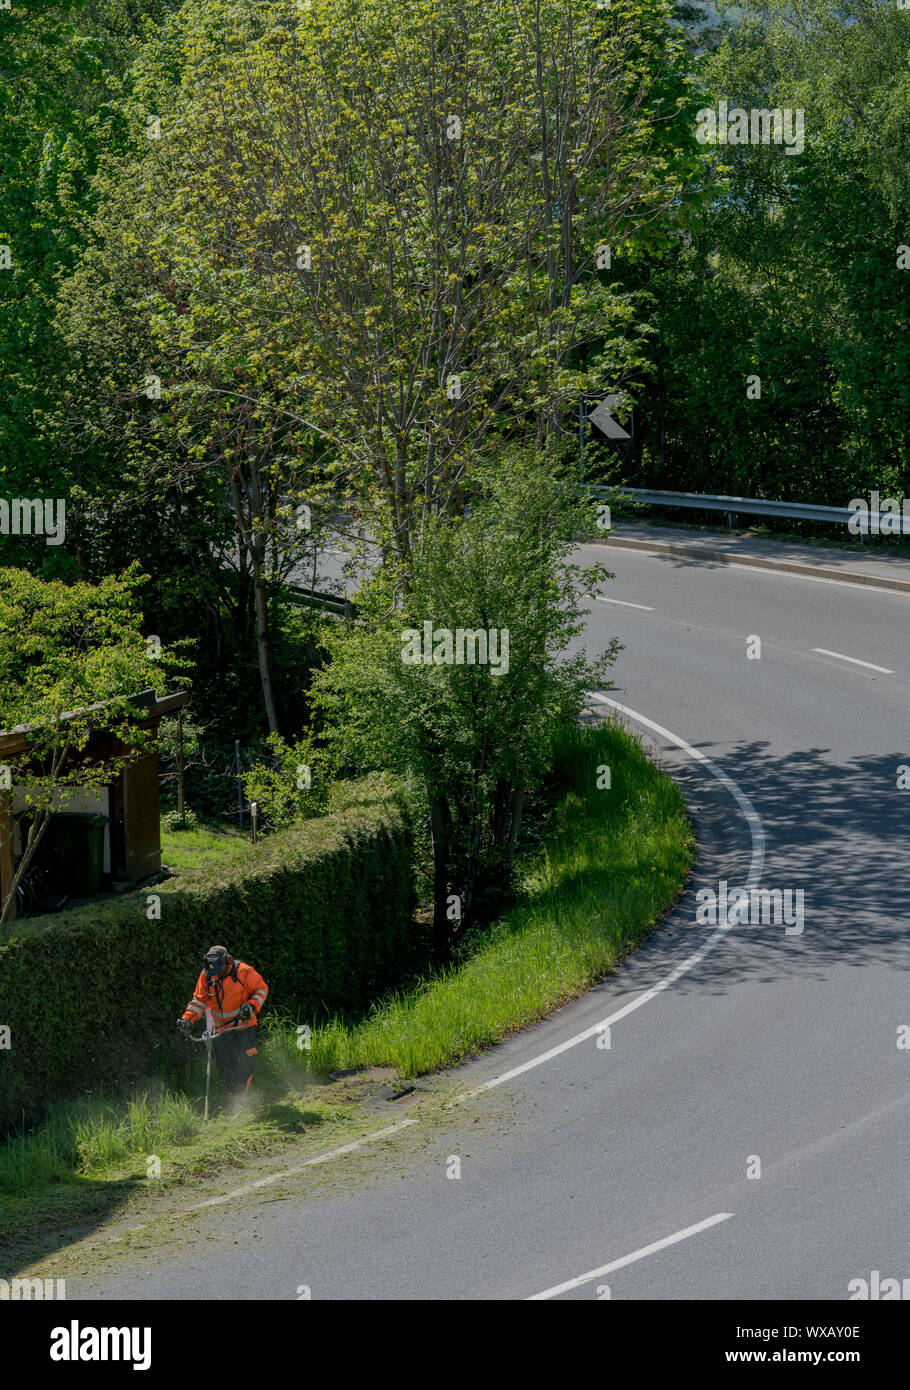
325	910
172	820
289	782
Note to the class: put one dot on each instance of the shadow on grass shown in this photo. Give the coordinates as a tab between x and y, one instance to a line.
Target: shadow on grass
289	1120
57	1214
40	1223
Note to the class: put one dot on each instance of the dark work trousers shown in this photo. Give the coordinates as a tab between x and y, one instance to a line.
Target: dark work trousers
235	1053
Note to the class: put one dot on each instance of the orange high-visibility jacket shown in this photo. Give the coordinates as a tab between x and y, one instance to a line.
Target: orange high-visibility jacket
241	985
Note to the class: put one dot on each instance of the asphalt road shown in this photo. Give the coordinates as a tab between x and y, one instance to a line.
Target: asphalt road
772	1046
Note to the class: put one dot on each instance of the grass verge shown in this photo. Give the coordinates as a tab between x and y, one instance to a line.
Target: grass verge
616	854
90	1162
616	858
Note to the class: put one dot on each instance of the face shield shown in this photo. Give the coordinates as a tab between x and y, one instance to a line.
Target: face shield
215	964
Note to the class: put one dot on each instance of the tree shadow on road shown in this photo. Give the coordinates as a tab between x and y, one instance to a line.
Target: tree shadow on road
838	829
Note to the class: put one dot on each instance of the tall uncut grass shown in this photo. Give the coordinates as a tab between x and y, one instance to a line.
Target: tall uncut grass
616	859
85	1137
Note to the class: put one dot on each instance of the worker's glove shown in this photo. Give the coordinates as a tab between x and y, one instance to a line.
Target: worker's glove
185	1026
246	1012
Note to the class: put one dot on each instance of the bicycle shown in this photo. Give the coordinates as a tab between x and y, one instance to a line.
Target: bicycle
34	892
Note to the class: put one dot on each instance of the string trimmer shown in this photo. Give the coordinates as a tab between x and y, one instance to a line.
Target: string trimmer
208	1037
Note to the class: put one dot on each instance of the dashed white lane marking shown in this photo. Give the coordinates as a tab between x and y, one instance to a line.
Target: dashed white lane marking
631	1259
854	661
645	607
755	872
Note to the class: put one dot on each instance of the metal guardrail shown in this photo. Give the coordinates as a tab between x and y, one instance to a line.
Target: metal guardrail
315	598
747	506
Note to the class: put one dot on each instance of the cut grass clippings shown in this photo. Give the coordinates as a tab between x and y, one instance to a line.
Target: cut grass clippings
90	1161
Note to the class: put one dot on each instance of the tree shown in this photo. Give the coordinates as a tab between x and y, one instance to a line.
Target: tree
378	236
65	651
464	683
793	274
72	422
61	70
289	783
168	360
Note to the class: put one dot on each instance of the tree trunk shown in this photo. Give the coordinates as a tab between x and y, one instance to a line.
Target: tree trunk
254	544
35	835
263	652
441	826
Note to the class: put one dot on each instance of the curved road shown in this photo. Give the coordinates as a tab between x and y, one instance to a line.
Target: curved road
588	1171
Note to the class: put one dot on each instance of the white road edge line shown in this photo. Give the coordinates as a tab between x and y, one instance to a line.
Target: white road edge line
854	660
755	873
307	1163
645	607
288	1172
745	805
631	1259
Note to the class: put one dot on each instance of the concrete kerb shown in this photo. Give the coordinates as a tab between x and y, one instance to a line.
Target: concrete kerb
726	557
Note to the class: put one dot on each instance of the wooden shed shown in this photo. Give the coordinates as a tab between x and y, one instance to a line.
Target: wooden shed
132	849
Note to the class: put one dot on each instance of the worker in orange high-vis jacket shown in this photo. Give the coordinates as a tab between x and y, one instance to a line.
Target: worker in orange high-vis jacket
234	993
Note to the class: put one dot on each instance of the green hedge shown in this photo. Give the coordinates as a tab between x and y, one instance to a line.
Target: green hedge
324	910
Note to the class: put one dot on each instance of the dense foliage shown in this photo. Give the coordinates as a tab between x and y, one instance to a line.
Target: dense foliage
796	272
65	651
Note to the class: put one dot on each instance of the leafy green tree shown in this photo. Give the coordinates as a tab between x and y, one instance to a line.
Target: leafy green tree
65	650
794	272
476	736
68	69
61	77
167	359
371	239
